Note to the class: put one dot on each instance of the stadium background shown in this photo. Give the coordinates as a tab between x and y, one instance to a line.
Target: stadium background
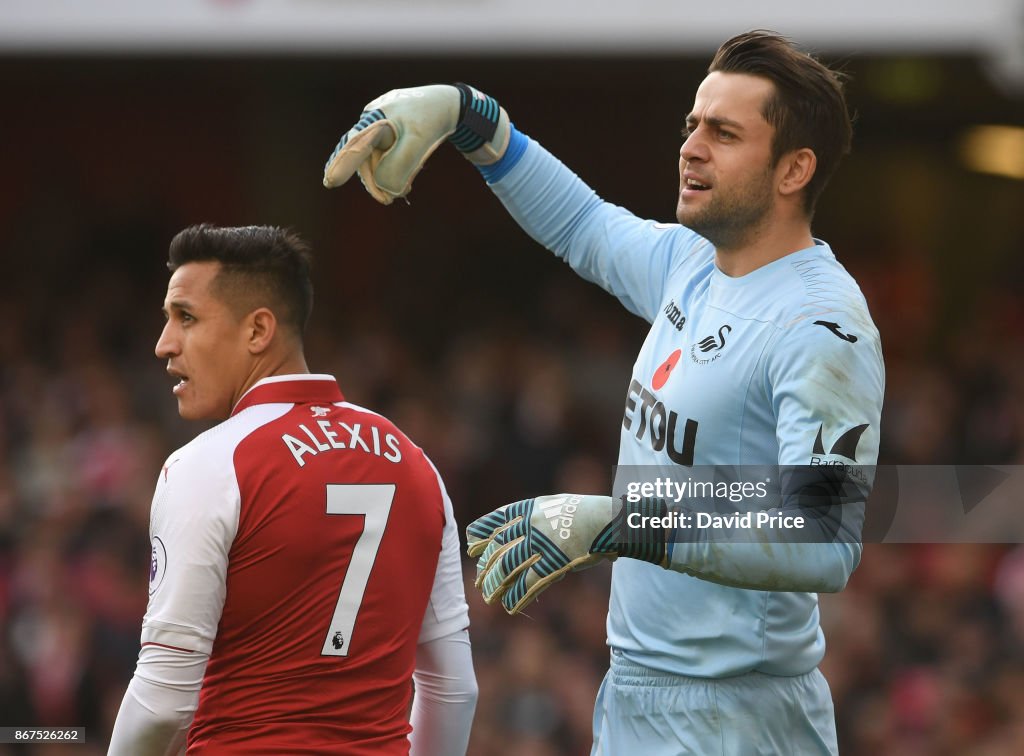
503	365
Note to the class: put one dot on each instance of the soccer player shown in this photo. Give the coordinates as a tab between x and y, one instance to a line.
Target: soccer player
761	352
305	563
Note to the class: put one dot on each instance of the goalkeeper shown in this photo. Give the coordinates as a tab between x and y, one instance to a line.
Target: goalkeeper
761	352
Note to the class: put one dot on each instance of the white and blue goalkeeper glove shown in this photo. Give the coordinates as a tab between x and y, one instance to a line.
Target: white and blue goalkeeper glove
526	546
398	131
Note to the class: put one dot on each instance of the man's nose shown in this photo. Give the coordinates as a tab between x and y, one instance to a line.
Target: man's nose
167	345
693	147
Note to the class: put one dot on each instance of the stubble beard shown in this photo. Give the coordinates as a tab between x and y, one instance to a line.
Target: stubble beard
729	221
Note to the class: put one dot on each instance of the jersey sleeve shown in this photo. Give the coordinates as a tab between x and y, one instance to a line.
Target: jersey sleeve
445	696
193	523
826	394
605	244
447	611
158	705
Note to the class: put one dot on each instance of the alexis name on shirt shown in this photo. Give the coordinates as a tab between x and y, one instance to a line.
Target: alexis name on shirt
326	435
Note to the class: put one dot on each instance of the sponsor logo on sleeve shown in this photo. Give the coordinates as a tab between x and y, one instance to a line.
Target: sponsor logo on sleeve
844	446
157	564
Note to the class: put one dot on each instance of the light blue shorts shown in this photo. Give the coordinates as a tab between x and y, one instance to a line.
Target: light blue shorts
645	712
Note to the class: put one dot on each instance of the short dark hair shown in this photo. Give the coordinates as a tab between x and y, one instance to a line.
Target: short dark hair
808	108
261	266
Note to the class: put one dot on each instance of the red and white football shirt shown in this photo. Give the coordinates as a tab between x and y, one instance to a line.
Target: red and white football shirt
307	545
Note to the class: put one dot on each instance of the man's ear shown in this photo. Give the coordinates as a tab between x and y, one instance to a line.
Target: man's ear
262	326
797	169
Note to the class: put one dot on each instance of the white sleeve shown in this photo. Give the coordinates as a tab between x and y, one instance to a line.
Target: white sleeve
158	706
447	610
445	697
193	524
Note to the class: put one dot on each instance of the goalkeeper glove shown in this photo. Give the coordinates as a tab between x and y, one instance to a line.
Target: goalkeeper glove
398	131
526	546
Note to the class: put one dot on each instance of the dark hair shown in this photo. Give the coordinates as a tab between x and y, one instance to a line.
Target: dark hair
261	266
808	108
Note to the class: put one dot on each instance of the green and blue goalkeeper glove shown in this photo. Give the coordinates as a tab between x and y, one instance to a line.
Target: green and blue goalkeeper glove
398	131
526	546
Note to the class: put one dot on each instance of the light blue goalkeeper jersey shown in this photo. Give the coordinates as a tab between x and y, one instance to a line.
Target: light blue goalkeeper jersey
780	366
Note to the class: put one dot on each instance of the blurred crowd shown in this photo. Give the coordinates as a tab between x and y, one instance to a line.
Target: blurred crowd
925	646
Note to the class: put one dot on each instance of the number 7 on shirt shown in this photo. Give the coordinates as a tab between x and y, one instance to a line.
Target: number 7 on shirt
373	502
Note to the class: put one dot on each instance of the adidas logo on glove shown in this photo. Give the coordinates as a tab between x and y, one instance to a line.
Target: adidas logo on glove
560	511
